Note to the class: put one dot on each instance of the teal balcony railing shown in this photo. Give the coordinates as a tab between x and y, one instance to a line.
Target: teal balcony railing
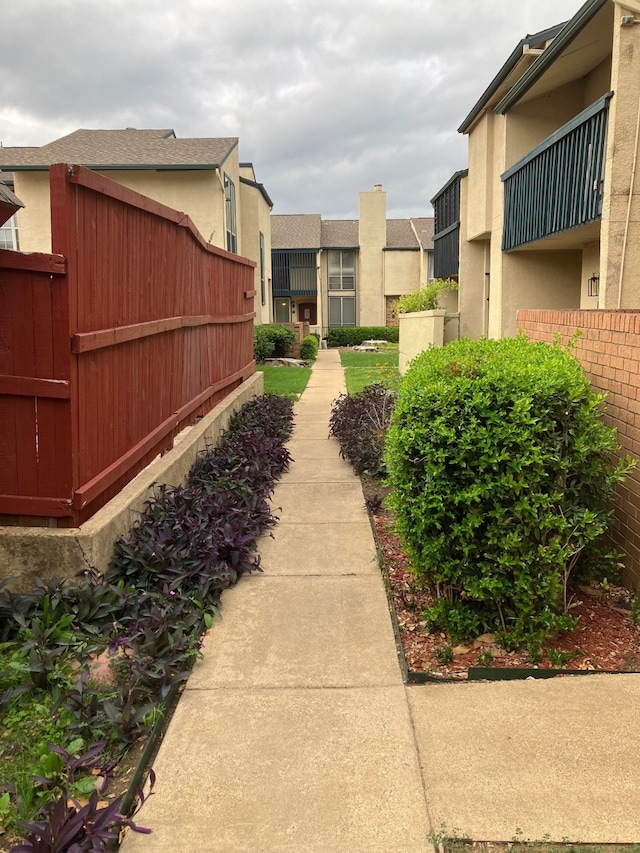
558	185
446	237
294	273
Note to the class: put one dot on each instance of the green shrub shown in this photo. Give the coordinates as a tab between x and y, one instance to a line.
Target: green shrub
272	341
351	336
503	474
263	344
309	348
360	424
427	298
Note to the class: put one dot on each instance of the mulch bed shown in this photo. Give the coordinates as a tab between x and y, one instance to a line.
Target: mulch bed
606	638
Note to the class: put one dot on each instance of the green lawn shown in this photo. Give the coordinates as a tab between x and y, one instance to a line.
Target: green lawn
366	368
287	381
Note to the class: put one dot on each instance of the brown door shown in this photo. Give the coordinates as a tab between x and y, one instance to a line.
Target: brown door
307	313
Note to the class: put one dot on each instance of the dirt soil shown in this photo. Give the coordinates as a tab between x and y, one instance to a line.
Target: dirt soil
606	638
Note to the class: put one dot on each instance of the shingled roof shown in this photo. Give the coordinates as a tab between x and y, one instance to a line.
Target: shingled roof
310	231
122	149
340	234
296	231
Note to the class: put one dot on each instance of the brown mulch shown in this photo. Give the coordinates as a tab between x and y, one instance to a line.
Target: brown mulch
606	638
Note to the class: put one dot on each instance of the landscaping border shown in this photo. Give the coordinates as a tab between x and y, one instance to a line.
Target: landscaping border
474	673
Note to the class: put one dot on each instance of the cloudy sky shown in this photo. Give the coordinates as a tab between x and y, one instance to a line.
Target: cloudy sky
328	97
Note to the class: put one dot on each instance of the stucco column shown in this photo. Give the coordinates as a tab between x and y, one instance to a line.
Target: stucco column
620	241
372	239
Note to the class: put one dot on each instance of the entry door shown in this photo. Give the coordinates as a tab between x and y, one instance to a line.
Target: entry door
307	313
282	312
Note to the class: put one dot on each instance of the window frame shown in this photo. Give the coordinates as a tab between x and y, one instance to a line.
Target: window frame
231	215
341	275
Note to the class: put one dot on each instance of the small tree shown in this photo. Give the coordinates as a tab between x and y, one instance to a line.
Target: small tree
503	474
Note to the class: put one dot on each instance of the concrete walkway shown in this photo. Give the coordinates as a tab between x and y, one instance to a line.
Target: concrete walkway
295	732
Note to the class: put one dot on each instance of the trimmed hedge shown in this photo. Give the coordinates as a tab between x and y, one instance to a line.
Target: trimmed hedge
351	336
503	475
272	340
309	348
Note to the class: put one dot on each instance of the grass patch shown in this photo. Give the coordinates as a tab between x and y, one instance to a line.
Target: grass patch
367	368
286	381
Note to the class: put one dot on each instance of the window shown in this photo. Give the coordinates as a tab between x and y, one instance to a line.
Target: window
263	294
342	311
230	214
342	269
9	234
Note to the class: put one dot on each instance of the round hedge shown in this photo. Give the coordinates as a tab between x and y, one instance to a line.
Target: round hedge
503	474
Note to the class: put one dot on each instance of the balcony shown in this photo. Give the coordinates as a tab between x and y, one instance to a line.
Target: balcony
558	186
446	238
294	273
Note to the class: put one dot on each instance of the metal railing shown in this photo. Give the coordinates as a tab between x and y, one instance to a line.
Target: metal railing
558	185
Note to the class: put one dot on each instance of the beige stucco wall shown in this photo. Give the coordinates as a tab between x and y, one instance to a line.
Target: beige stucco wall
620	233
547	279
401	272
370	304
34	220
197	193
419	331
474	263
530	123
538	280
256	219
481	178
590	267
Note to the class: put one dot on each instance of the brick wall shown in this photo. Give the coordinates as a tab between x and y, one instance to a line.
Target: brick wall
609	350
301	330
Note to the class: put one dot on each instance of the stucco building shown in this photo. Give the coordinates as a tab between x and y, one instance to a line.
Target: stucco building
203	178
348	272
547	215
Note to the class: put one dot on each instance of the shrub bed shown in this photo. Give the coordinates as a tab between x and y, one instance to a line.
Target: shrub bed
309	348
351	336
502	473
360	423
272	341
140	624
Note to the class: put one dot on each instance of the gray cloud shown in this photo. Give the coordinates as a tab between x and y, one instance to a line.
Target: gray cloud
327	97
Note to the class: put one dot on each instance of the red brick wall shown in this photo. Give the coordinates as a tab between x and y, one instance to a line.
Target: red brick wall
609	350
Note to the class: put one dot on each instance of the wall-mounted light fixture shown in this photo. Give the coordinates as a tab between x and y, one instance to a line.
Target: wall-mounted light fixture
593	285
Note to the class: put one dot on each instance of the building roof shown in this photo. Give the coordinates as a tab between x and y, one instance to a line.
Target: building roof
122	149
296	231
310	231
9	203
523	56
400	234
424	230
580	37
340	234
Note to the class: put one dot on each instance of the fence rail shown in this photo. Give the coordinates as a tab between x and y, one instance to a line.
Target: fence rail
132	328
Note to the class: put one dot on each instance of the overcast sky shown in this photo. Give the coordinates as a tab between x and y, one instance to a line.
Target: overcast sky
328	97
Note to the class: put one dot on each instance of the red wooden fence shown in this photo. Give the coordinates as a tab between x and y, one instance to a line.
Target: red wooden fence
132	328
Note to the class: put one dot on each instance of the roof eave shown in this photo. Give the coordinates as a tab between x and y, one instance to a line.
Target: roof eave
260	188
121	167
503	73
456	175
549	56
